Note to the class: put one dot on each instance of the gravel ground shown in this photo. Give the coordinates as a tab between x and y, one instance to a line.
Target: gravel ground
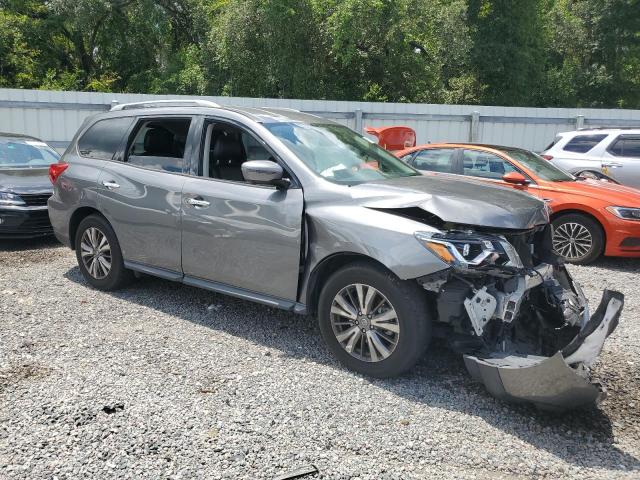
167	381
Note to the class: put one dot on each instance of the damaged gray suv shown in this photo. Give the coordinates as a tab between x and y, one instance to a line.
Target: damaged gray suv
300	213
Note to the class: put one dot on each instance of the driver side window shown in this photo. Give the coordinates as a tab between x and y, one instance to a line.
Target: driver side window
485	165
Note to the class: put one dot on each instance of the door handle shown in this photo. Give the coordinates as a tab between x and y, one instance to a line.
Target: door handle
197	202
612	164
110	184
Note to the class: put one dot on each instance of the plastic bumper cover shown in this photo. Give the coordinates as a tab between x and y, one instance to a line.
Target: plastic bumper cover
559	382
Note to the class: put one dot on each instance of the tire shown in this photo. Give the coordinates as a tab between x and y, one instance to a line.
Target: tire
117	275
413	321
583	230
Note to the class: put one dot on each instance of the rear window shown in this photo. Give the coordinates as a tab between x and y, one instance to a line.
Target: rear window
103	138
626	146
583	143
159	144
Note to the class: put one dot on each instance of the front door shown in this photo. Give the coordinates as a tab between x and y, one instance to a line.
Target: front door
141	195
235	233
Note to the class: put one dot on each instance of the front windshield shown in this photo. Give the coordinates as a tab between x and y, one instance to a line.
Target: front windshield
339	154
541	167
21	153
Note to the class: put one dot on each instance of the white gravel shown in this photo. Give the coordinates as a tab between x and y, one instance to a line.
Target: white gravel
167	381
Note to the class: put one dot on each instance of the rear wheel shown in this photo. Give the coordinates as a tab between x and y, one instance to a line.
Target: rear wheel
99	255
373	322
577	238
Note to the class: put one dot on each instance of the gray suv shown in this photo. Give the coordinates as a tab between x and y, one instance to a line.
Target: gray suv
300	213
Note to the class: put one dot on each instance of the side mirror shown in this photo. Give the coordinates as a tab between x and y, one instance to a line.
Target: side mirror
264	172
515	178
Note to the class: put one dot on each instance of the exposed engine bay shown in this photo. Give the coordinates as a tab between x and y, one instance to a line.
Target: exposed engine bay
508	304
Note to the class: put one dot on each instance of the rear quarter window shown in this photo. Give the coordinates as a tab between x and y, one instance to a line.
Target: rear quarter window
102	140
583	143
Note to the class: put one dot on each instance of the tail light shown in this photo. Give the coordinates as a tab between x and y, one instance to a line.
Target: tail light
55	170
547	157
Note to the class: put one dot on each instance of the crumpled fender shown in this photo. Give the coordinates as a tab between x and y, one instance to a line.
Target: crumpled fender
559	382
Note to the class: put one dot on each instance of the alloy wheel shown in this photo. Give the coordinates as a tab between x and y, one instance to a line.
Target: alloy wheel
572	241
96	253
365	323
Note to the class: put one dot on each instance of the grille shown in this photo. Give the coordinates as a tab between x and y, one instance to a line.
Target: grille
38	221
36	200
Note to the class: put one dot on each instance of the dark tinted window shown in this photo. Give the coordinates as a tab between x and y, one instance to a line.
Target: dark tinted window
583	143
435	160
626	146
102	139
159	144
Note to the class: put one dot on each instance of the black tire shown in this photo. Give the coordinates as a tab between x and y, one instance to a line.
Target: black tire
562	223
118	276
413	317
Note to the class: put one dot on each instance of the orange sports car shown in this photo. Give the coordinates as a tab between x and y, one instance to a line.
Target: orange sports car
590	217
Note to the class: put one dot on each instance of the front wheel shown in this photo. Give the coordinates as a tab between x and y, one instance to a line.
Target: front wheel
99	255
373	322
577	238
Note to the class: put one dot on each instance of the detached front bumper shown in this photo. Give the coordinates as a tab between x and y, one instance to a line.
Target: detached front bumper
558	382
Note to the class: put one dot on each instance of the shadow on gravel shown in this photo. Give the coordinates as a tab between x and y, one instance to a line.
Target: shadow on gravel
19	244
28	251
439	380
618	264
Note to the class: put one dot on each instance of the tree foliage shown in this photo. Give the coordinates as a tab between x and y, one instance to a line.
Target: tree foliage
503	52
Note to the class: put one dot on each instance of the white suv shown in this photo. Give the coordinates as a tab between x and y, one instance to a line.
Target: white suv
612	151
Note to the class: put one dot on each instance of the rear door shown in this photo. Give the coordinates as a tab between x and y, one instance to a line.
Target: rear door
234	233
621	159
141	192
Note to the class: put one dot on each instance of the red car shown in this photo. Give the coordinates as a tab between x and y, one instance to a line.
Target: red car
590	217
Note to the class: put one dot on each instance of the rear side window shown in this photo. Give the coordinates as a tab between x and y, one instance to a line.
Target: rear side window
159	144
626	146
103	138
435	160
583	143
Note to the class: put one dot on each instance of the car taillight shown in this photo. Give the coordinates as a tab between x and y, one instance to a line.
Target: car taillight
55	170
547	157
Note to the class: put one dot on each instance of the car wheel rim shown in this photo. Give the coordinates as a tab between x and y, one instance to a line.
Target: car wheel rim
365	323
572	241
96	253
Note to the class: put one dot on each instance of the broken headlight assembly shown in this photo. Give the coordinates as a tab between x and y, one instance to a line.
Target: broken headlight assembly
469	249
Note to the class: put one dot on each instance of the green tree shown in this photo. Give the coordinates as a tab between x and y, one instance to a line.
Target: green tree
508	54
266	48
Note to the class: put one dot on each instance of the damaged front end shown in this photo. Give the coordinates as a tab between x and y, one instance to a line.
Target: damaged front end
511	308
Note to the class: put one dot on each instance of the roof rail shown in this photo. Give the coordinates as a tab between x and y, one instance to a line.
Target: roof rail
613	127
165	103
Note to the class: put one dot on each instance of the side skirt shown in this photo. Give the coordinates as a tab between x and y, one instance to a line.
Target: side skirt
237	292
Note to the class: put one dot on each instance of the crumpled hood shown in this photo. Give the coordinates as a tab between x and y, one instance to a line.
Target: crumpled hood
25	180
461	201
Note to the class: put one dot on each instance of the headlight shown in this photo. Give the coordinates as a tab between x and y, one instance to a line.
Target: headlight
10	199
625	212
467	250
